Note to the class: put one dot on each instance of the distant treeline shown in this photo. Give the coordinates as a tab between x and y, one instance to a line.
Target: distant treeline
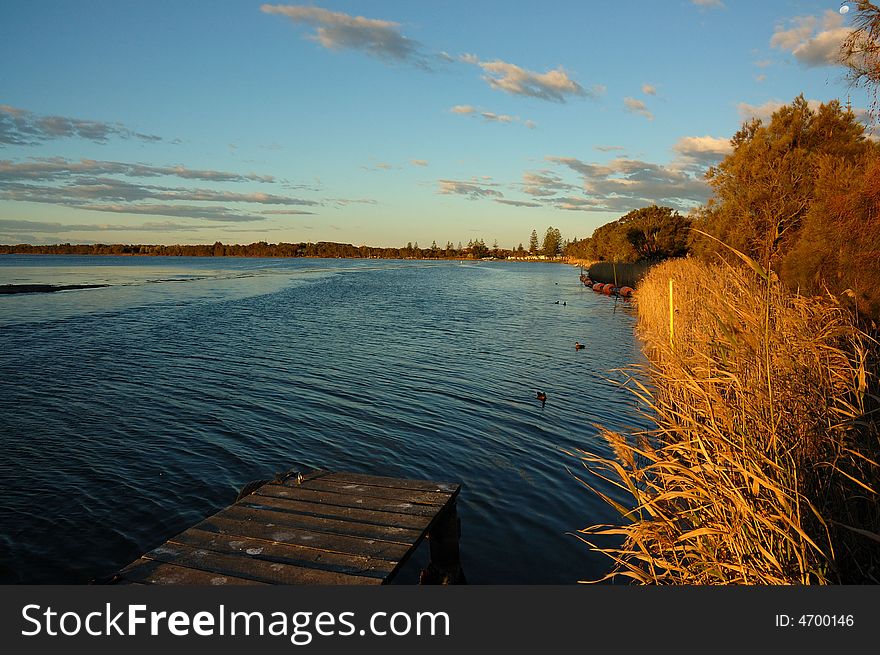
552	248
473	250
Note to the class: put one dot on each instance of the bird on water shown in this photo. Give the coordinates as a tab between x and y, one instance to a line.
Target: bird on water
578	345
541	396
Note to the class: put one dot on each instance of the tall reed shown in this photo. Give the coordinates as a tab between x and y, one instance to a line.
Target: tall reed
763	465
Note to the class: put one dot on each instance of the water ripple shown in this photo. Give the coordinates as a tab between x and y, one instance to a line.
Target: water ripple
135	413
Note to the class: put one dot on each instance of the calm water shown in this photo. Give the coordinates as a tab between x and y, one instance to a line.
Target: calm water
128	413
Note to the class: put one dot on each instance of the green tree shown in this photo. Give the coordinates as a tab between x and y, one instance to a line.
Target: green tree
552	242
533	243
764	188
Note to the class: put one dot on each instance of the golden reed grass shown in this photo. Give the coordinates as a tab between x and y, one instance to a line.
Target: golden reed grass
762	467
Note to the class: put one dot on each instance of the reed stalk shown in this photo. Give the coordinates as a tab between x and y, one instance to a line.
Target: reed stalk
762	465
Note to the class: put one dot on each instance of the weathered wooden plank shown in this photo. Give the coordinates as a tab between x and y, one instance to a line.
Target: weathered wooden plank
332	499
272	551
148	571
321	524
400	495
289	535
343	513
392	483
320	528
251	568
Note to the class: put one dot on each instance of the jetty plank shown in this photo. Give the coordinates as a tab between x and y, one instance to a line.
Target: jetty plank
243	512
250	568
330	499
368	491
370	516
321	528
283	553
290	535
148	571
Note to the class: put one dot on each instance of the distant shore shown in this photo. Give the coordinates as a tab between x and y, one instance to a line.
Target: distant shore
7	289
320	250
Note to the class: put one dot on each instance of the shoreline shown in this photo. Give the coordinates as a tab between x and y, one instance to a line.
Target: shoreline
10	289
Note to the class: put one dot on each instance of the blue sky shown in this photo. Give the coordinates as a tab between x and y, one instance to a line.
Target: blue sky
382	122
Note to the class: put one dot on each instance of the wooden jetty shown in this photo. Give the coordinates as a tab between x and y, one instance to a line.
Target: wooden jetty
322	528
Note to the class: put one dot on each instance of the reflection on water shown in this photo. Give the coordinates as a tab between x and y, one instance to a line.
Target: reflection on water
128	413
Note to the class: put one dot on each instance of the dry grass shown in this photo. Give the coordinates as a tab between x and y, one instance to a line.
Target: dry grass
762	468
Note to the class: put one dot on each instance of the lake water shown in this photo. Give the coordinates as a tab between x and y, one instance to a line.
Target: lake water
129	413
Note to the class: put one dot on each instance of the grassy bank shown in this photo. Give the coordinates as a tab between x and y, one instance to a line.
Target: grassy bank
762	468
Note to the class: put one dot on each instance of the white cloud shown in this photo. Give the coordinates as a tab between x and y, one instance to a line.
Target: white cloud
649	89
463	109
813	41
703	146
696	153
336	31
636	106
419	162
708	3
554	85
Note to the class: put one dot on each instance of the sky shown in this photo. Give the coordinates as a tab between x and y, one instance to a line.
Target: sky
383	122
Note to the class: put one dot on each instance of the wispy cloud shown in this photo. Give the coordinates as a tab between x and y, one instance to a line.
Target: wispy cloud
343	202
120	187
491	116
380	166
463	109
419	162
43	227
636	106
287	212
518	203
608	148
649	89
813	40
708	3
20	127
335	30
544	184
554	85
59	167
624	184
474	189
220	214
